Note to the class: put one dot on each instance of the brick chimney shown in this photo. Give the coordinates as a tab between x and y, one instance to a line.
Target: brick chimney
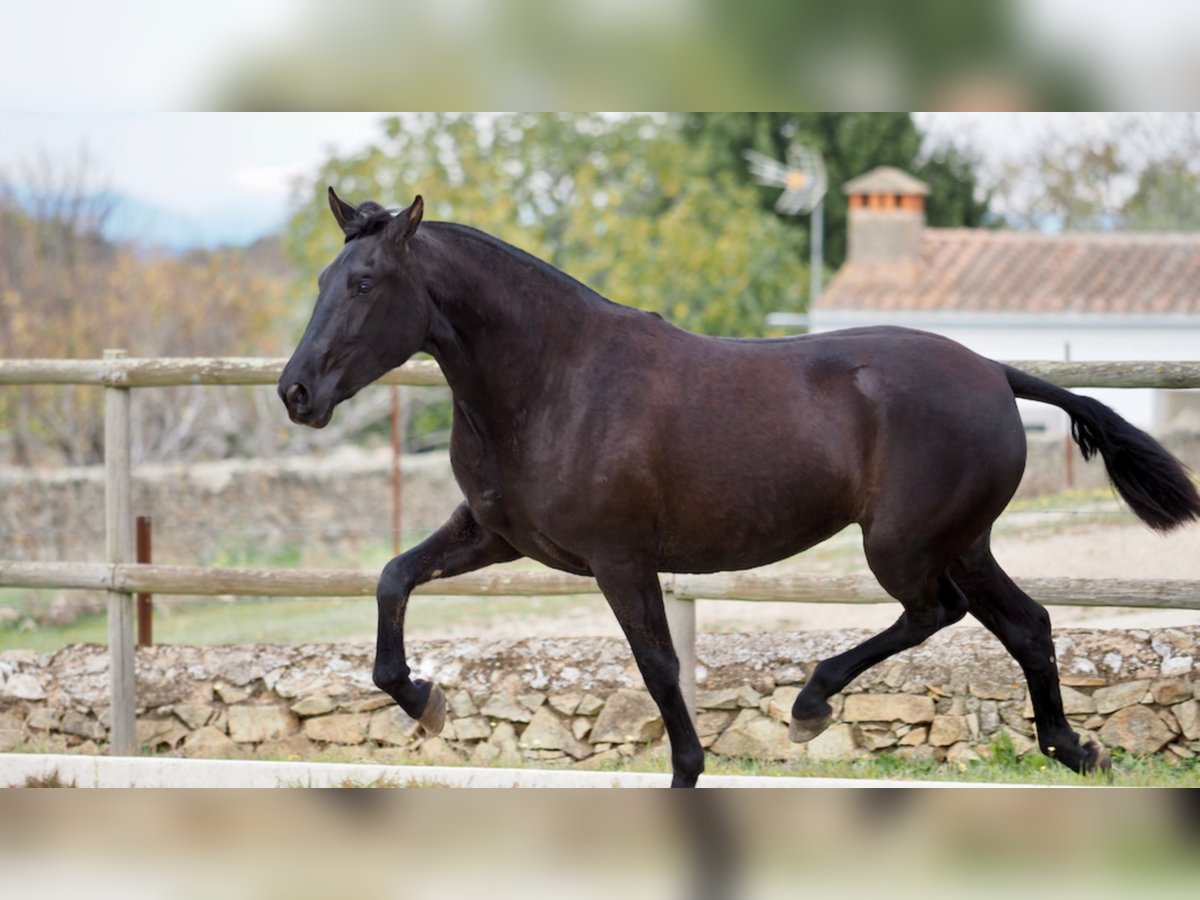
887	216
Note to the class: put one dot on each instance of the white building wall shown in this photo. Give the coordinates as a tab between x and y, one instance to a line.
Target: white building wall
1031	337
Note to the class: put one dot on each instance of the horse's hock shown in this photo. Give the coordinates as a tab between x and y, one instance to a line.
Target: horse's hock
581	702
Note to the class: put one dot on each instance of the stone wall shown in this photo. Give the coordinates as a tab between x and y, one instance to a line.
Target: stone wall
581	702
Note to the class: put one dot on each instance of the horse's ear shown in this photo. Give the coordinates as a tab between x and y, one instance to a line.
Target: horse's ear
342	211
404	225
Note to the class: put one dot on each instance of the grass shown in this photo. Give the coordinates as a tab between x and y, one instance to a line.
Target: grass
53	780
1033	769
1002	767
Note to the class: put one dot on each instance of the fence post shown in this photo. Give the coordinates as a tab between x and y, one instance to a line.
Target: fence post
397	474
681	619
118	530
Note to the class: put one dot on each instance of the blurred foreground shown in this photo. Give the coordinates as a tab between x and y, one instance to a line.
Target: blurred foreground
424	844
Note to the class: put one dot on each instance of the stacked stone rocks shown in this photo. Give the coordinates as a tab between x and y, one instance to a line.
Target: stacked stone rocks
580	702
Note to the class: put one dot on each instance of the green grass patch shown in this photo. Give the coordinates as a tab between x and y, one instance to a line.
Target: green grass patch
1000	768
1032	769
1003	766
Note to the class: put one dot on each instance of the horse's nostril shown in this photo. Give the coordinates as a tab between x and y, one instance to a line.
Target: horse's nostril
296	396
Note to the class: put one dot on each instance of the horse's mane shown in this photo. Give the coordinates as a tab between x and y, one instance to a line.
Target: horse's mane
371	218
516	253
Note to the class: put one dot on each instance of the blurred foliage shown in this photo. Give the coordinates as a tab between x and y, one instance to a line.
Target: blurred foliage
850	144
1167	198
523	54
623	204
1065	184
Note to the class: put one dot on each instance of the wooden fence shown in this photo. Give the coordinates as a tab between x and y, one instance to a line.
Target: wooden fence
122	578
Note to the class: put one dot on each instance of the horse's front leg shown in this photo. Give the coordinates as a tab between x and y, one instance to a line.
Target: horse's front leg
461	545
636	598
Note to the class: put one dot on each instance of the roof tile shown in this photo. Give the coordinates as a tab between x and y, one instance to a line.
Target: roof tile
976	270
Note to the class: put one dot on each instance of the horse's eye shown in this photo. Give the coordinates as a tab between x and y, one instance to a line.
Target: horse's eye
364	286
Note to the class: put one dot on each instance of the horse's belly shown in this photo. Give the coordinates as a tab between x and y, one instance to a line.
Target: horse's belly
744	535
733	557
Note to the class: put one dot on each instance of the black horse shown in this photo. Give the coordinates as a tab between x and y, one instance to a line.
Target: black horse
601	440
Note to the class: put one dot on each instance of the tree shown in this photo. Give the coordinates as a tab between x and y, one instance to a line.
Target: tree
1116	171
1066	184
1167	198
621	203
1167	193
850	144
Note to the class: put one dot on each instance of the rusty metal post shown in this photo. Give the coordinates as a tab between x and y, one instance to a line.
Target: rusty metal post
145	602
397	474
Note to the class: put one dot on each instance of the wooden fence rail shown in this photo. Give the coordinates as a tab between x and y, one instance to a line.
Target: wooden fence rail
179	371
762	586
122	578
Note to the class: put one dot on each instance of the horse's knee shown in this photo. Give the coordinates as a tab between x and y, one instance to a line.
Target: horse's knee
397	580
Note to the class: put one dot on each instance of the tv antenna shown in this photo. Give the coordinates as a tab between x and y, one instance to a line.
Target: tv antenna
804	185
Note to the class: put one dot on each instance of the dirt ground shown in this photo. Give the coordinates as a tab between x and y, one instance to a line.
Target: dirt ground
1098	542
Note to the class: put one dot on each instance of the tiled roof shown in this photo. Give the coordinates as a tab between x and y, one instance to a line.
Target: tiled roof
976	270
885	180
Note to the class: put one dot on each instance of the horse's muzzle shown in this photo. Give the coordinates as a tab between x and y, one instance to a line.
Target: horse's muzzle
300	406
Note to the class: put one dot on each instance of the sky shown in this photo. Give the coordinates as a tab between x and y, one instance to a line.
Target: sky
85	74
198	177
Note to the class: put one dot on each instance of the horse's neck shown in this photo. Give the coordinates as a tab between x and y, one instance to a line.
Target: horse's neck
501	320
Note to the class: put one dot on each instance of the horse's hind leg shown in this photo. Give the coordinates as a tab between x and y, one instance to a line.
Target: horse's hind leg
461	545
1023	627
928	607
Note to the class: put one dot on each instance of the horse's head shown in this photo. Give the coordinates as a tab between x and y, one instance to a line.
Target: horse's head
372	312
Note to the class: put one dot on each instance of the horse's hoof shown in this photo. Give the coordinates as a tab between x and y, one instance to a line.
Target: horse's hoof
433	716
803	730
1096	760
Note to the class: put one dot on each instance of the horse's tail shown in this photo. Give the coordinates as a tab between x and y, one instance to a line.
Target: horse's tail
1154	483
